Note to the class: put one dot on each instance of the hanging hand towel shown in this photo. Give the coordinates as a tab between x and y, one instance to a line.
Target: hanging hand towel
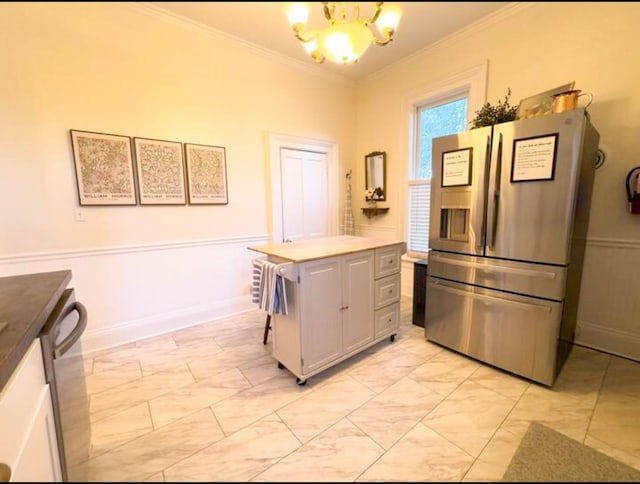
272	294
255	280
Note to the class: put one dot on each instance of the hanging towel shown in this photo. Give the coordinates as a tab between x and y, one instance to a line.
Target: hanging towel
347	221
255	280
272	296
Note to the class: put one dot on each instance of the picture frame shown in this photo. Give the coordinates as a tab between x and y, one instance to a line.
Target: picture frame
160	170
457	167
104	168
534	158
206	168
540	104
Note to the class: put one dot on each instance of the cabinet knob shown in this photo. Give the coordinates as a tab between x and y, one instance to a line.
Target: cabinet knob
390	291
5	472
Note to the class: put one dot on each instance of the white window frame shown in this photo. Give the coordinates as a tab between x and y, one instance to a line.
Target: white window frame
472	81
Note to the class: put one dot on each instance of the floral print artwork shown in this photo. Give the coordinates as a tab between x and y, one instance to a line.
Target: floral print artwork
160	171
206	169
104	168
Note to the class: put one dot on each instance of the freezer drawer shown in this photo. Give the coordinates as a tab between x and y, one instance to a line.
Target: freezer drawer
536	280
516	333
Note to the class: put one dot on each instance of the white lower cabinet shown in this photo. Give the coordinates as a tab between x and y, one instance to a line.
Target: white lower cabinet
28	445
338	307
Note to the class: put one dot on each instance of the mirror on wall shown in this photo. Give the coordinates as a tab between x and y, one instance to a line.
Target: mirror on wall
375	165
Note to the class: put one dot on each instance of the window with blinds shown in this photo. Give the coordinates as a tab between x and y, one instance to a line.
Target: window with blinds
434	118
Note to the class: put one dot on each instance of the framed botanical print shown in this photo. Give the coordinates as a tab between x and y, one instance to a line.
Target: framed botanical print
206	174
160	167
104	168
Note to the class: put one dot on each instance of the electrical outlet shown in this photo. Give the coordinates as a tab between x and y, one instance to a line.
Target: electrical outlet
79	215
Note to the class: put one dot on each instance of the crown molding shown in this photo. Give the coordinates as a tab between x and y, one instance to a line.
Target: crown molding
481	24
195	26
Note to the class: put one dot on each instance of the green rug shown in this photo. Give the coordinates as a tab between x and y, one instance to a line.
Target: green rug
545	455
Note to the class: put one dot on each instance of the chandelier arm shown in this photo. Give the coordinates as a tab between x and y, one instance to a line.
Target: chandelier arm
388	37
297	35
328	12
376	14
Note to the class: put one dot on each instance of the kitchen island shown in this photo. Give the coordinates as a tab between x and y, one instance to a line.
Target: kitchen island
343	296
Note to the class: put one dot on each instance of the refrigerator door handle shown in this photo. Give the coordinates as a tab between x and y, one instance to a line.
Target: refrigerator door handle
490	267
68	342
485	193
496	194
509	302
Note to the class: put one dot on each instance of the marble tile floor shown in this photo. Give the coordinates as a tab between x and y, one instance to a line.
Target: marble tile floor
208	403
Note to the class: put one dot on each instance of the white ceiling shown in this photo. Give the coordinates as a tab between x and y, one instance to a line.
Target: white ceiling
265	24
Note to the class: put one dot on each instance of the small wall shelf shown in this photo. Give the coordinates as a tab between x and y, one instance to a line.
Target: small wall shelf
371	212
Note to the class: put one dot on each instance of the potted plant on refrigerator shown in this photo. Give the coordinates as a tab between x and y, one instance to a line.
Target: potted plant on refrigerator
489	115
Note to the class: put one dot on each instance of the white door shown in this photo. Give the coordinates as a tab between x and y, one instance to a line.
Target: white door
303	176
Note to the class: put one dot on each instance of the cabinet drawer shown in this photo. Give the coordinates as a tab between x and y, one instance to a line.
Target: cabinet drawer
387	261
387	291
387	320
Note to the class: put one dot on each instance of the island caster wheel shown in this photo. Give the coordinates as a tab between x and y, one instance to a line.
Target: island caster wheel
392	338
280	365
301	382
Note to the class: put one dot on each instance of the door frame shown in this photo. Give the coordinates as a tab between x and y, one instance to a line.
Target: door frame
276	143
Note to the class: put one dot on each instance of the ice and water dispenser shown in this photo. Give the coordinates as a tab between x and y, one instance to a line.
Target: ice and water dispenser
454	214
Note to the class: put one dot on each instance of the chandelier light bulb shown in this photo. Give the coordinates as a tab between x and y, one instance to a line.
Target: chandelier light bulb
347	37
388	19
298	13
345	43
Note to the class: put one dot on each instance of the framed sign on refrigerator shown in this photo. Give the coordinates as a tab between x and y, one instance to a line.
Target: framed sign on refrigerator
206	174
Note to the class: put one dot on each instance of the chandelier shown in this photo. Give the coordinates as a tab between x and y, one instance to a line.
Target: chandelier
347	37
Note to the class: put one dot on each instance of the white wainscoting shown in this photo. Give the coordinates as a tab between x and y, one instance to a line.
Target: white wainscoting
609	309
134	292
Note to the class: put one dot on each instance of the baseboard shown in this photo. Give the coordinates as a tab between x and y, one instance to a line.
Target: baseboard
135	330
609	340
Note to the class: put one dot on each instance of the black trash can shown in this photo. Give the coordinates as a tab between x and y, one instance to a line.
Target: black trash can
419	291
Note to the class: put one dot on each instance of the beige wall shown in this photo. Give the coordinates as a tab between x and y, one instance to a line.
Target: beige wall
116	68
532	48
126	69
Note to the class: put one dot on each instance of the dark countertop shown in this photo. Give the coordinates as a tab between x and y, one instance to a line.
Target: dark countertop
25	304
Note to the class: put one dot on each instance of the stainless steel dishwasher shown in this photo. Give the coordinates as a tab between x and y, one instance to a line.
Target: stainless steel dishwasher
64	371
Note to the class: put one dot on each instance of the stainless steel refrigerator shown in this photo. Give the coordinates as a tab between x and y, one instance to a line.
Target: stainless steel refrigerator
509	217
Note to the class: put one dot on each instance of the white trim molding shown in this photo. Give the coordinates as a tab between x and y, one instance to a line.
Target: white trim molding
167	16
609	340
618	243
496	17
128	249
